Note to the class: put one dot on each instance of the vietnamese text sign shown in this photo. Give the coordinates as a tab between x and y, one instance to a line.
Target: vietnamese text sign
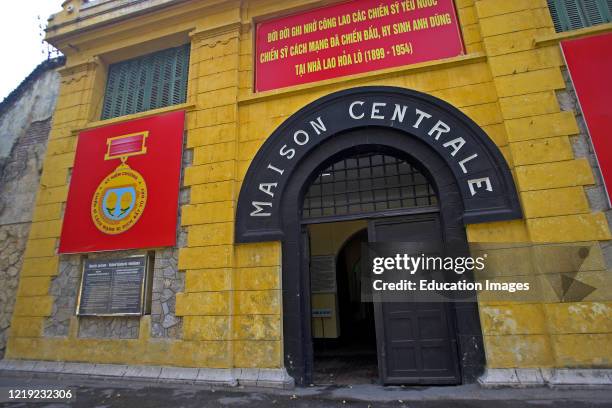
113	286
589	61
124	186
353	37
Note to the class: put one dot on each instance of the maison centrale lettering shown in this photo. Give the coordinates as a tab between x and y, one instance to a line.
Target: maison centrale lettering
424	122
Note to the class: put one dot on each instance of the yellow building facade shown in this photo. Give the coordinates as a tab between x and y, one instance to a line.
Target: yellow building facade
229	303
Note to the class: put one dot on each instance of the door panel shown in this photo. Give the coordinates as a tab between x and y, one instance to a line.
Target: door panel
416	341
305	261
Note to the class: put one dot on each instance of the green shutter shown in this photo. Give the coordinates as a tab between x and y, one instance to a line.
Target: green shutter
574	14
149	82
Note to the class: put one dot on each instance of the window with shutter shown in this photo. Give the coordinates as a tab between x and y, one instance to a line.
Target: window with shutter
574	14
149	82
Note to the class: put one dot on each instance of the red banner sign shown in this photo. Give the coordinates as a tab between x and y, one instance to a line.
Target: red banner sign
353	37
589	61
124	187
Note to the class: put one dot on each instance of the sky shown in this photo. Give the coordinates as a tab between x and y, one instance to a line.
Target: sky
21	40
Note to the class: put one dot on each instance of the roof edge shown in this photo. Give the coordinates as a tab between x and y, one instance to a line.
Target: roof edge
43	67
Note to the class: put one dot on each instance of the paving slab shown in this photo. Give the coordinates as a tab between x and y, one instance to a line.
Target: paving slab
18	365
78	368
499	377
577	378
151	372
49	366
275	378
114	370
530	377
179	374
246	376
221	376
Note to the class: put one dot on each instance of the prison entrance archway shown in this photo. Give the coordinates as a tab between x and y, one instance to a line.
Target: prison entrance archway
363	197
469	175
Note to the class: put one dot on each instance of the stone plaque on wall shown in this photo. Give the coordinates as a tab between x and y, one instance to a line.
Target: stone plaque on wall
323	274
113	287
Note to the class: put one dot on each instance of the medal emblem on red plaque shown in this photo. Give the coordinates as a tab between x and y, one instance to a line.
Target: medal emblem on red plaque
124	186
121	197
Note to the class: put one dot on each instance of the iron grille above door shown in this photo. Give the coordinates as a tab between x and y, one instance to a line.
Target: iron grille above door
574	14
365	184
149	82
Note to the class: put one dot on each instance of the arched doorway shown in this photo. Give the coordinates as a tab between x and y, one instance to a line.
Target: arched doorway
420	204
416	341
471	180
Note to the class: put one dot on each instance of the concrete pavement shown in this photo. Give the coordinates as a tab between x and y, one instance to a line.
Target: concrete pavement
98	393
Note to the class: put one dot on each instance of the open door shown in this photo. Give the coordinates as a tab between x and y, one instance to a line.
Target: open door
305	265
416	341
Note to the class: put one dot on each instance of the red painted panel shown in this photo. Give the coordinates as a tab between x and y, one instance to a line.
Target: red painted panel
589	61
353	37
124	186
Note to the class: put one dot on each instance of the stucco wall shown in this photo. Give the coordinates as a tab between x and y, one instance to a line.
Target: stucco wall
583	148
231	304
553	180
24	129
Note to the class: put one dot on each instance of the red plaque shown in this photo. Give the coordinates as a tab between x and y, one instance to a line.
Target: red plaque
353	37
124	187
589	61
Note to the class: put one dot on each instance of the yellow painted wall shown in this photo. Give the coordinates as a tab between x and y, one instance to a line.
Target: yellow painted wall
328	239
231	307
327	327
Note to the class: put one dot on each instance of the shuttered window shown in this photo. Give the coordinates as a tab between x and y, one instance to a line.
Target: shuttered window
574	14
149	82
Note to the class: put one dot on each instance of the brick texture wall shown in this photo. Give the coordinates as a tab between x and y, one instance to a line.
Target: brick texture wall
18	184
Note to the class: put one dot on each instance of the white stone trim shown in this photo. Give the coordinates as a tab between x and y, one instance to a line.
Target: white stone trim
567	378
249	377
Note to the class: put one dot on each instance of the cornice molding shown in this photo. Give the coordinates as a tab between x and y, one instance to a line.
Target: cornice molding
213	35
187	107
555	38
